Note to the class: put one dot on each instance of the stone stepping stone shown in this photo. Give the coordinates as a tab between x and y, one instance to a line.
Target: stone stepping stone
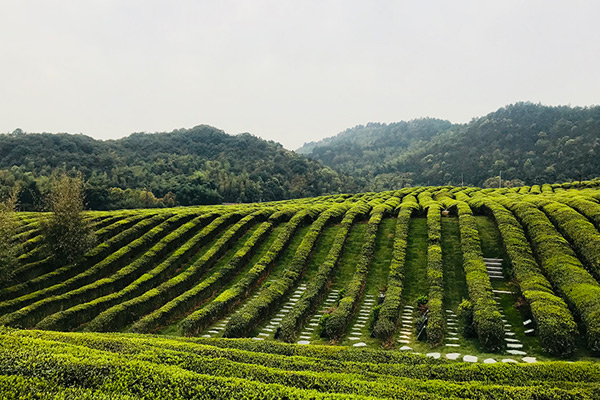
283	311
303	342
452	356
276	319
501	291
508	360
304	337
514	345
452	345
309	329
263	334
516	352
489	361
405	348
433	355
404	337
213	331
258	338
512	340
450	311
411	307
206	335
453	333
453	338
353	338
313	324
403	341
405	332
509	333
268	329
359	344
530	332
529	359
275	323
471	359
218	328
360	325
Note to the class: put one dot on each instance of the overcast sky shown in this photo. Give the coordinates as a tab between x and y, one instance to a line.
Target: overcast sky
289	71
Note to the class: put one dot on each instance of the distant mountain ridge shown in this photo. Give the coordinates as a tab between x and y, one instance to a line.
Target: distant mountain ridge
527	143
201	165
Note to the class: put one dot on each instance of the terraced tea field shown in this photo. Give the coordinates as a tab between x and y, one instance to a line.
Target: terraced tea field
427	292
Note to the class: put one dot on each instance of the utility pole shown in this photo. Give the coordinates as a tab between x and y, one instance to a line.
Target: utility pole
500	181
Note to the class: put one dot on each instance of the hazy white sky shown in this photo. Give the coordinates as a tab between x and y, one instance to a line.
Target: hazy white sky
289	71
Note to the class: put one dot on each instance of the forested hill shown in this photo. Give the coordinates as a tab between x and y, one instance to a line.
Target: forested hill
528	143
202	165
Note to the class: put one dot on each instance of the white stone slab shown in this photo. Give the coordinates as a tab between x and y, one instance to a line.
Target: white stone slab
258	338
268	329
404	337
453	338
206	336
452	356
304	337
452	345
514	345
433	355
303	342
489	361
508	360
471	359
313	324
529	359
405	348
354	338
213	331
512	340
403	341
516	352
359	344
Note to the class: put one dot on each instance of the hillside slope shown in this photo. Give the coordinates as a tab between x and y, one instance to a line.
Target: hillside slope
202	165
529	143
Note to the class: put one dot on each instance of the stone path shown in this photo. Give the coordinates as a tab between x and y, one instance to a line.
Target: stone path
513	345
269	330
451	339
406	326
357	333
310	328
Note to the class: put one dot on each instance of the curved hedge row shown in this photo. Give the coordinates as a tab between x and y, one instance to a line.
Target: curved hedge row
126	312
555	325
223	303
576	228
183	303
435	270
87	270
389	312
584	205
337	321
242	322
562	266
487	319
84	312
317	288
30	315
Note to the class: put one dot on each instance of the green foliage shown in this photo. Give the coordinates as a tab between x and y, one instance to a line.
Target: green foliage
201	165
388	316
67	234
465	316
526	142
317	288
8	252
555	325
258	309
487	320
338	320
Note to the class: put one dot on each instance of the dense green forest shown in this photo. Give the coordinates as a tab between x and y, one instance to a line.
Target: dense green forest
202	165
528	143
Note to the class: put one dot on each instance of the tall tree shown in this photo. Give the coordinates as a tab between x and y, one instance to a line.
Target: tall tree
68	236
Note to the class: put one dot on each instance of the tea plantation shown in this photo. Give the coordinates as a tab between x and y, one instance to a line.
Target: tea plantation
425	292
